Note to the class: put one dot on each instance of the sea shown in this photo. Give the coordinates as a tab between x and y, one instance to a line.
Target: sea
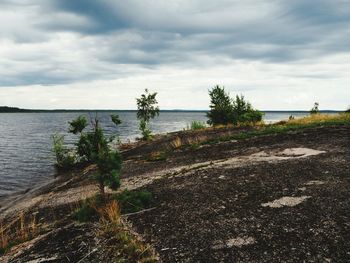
26	156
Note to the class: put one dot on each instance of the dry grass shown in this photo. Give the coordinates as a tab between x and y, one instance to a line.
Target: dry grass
124	245
18	231
176	143
320	118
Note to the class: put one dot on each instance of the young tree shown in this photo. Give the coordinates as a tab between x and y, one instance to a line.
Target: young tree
93	147
315	109
243	112
221	110
147	109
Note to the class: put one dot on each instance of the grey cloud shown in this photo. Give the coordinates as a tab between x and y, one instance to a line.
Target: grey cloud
107	34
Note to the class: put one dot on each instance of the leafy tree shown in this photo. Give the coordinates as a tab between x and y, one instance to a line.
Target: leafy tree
243	112
147	109
225	111
221	110
78	125
93	147
315	109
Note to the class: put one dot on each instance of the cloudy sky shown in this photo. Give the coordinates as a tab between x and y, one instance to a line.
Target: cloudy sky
101	54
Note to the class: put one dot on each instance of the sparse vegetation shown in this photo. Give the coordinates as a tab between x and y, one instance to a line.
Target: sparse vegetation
131	201
310	121
147	109
196	125
22	229
157	156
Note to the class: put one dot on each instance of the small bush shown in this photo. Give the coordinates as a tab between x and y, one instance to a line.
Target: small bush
131	202
196	125
65	157
88	209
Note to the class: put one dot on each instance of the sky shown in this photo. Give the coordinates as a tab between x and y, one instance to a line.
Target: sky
102	54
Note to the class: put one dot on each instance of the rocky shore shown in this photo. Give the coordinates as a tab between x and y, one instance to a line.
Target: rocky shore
271	198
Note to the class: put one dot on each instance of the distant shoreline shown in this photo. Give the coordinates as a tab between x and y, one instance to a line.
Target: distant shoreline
6	109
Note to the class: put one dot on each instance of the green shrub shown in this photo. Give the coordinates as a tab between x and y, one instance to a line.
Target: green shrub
65	157
133	201
225	111
243	112
88	209
196	125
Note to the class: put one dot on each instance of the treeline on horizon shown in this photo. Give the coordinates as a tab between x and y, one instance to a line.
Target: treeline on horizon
7	109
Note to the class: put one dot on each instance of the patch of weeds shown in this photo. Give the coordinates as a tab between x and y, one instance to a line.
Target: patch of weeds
131	202
123	245
24	228
196	125
157	156
194	146
88	209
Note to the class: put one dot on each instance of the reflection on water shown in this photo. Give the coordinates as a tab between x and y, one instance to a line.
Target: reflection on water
26	157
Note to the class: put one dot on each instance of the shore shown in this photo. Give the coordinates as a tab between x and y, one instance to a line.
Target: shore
268	198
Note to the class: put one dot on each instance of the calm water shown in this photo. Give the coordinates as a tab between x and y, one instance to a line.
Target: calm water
26	154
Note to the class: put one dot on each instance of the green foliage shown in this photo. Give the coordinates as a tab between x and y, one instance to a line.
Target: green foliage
221	111
65	158
314	109
133	201
196	125
115	119
87	210
225	111
78	125
109	165
92	147
147	109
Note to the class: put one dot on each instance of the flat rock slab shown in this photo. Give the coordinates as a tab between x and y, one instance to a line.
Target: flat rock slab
286	201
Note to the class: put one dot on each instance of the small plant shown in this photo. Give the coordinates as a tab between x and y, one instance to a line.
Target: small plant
147	109
65	157
88	209
196	125
314	109
133	201
157	156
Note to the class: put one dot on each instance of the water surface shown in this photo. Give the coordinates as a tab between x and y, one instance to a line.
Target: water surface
26	156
